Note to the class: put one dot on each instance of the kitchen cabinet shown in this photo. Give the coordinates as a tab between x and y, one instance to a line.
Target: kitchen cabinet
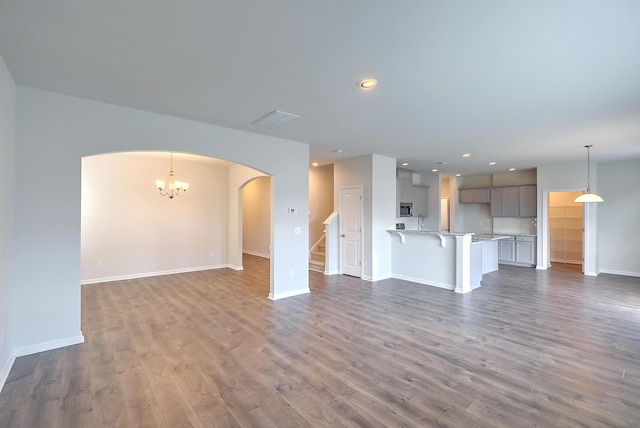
474	196
527	203
420	200
506	250
517	201
407	191
518	250
405	185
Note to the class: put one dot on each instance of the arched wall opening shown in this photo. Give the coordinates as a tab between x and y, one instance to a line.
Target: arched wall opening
135	232
56	131
256	217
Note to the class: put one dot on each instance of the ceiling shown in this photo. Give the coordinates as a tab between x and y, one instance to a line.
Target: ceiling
521	83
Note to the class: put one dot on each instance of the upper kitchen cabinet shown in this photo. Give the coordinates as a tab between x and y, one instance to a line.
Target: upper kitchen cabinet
404	185
474	196
528	198
513	201
409	190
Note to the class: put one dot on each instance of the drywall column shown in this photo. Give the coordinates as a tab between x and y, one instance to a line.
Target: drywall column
463	263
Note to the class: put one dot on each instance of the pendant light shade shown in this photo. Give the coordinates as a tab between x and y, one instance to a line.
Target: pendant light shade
587	196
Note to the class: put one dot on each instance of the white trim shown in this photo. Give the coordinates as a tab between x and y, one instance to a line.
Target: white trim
331	272
378	278
619	272
4	374
422	281
289	294
254	253
48	346
234	267
158	273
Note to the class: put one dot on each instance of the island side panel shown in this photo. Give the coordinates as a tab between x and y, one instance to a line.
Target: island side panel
424	260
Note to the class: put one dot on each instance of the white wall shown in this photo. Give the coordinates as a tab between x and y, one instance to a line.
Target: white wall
7	150
54	133
129	230
383	214
619	217
377	176
256	217
320	200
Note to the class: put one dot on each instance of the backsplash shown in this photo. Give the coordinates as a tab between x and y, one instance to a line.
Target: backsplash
516	225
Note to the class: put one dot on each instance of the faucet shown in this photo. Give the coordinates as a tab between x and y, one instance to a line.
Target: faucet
420	222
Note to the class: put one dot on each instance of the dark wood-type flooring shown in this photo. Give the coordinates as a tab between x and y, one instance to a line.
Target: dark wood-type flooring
528	348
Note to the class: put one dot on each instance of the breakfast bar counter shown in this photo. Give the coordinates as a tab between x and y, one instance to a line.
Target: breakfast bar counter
442	259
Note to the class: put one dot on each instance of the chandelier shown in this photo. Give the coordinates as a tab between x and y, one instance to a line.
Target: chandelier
174	187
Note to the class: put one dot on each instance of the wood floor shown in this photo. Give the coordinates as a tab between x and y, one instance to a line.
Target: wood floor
528	348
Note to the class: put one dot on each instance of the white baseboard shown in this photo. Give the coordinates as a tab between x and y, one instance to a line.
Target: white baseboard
149	274
331	272
47	346
234	267
4	373
377	278
289	294
422	281
253	253
620	272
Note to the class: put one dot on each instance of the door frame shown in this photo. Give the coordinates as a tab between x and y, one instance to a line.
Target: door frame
361	190
589	233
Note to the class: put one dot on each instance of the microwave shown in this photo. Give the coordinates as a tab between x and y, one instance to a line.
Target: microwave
406	209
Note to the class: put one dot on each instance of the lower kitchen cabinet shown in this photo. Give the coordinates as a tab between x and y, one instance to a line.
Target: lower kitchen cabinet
518	250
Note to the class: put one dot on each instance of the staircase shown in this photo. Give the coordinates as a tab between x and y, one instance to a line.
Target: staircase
317	256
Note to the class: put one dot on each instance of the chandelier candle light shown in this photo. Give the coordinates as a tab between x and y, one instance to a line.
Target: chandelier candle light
587	196
174	187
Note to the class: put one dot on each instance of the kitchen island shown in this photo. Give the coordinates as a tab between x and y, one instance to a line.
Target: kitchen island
490	250
442	259
452	260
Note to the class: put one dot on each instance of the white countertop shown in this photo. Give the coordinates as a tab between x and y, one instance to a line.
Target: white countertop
490	236
430	232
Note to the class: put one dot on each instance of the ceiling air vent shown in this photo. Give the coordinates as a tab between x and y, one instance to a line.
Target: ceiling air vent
275	119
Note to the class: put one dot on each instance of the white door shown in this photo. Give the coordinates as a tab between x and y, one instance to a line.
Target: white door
351	231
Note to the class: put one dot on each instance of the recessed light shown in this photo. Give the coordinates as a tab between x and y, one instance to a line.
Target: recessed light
314	164
512	169
434	170
458	175
368	83
492	163
465	155
405	163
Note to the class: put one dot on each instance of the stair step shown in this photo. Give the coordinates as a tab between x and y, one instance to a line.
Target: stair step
319	254
316	265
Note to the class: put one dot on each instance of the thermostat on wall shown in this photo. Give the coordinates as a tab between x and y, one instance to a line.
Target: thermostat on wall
293	210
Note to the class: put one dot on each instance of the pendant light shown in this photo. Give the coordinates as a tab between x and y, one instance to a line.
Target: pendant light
587	196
